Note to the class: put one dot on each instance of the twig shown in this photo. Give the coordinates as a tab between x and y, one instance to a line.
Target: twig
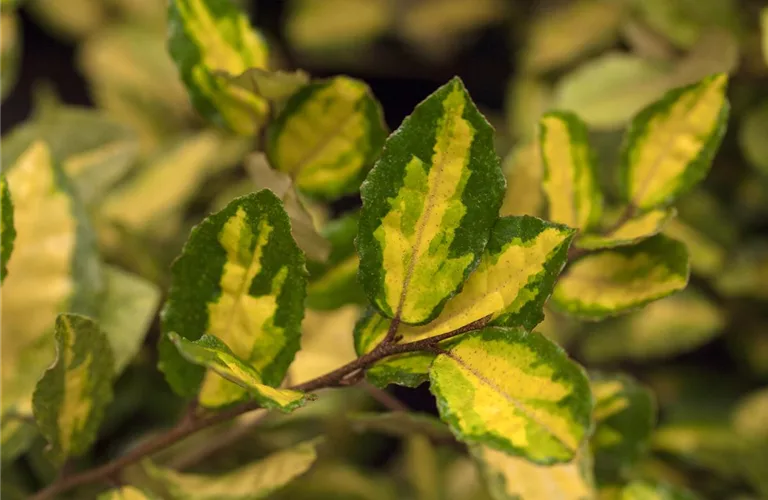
186	426
384	398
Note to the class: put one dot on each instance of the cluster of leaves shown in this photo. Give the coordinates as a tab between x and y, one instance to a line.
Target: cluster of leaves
476	275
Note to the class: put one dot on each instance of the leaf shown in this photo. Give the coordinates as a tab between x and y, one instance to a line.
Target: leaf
94	150
132	77
211	353
240	278
625	415
618	280
523	171
706	256
325	343
126	493
630	232
210	37
263	176
7	230
664	328
712	447
276	86
749	420
252	481
70	399
754	128
764	30
515	277
647	490
54	268
127	310
670	144
562	35
514	391
570	183
527	98
10	51
428	206
334	283
327	135
17	435
745	275
317	27
400	424
511	478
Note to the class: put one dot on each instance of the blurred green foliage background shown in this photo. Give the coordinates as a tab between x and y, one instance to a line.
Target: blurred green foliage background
93	77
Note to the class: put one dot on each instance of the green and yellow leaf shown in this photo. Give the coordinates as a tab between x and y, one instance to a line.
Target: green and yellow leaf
428	206
209	39
275	86
240	278
70	399
250	482
625	415
647	490
618	280
327	135
54	268
514	391
570	183
10	51
671	326
127	310
514	478
212	353
94	150
630	232
516	275
7	230
670	144
333	283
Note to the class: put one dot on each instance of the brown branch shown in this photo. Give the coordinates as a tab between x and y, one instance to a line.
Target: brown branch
188	426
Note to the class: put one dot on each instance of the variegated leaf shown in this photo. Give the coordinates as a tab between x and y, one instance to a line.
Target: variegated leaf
94	150
212	353
514	478
207	40
70	399
127	309
54	268
514	391
670	144
629	232
275	86
570	182
240	278
126	493
327	135
625	415
524	171
428	206
10	50
516	275
618	280
250	482
7	229
333	283
670	326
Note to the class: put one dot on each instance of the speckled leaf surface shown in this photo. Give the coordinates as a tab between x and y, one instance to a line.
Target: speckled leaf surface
670	144
570	181
625	415
70	399
7	230
429	205
209	39
211	353
514	478
615	281
514	391
516	275
327	136
240	278
250	482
